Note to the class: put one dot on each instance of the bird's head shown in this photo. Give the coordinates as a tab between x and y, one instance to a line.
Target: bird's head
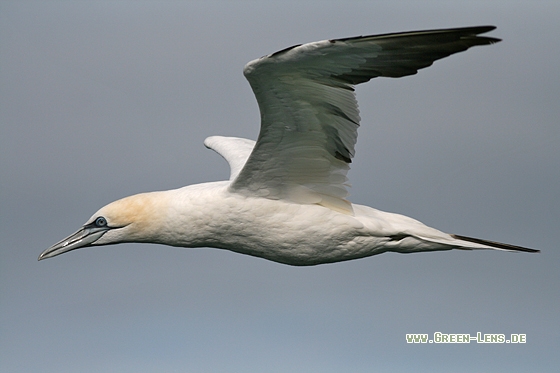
130	219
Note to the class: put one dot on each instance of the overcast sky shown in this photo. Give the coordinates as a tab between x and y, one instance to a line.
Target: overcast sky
100	100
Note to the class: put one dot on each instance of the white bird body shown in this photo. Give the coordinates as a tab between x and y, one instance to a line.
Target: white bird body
285	199
208	215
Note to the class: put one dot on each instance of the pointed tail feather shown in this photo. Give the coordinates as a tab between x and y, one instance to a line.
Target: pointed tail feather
497	245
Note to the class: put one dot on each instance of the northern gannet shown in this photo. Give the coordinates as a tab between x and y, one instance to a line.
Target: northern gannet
285	197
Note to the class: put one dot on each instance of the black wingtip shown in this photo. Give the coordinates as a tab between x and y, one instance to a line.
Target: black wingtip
472	31
498	245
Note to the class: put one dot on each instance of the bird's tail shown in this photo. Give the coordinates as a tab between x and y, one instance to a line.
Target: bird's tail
492	245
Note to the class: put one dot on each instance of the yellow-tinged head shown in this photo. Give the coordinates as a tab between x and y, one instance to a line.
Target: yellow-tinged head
137	218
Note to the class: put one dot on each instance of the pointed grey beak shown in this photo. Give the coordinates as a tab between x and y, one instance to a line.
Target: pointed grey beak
86	236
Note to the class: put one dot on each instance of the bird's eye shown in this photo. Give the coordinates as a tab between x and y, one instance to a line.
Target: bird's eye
101	221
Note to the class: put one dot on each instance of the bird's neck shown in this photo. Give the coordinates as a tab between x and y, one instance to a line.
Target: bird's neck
186	217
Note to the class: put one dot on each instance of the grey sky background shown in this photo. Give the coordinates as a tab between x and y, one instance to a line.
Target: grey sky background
100	100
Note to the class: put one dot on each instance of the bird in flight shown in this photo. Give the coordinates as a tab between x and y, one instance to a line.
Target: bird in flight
285	199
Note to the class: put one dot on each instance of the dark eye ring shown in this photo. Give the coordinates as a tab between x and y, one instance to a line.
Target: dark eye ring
101	221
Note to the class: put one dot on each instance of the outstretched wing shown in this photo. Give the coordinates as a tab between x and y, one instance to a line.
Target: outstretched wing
235	150
309	113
